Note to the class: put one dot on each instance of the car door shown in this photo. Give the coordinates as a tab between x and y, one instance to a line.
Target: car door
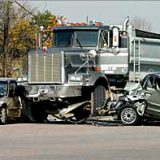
153	98
14	107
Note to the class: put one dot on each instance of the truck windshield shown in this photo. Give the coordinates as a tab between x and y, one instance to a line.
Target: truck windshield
3	89
75	38
87	38
63	38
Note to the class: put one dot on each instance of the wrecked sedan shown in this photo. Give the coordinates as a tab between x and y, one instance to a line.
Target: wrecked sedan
151	85
10	100
142	103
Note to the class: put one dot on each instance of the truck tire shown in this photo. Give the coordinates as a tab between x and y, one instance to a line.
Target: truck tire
38	113
98	99
128	115
3	115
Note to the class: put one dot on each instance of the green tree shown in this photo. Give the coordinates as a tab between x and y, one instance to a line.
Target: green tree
16	35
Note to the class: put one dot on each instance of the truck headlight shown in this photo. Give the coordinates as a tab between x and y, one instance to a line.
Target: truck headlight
33	89
75	78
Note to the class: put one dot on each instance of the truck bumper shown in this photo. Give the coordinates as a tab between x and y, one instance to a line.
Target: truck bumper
46	92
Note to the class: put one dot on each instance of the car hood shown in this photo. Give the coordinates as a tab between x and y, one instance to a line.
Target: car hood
3	100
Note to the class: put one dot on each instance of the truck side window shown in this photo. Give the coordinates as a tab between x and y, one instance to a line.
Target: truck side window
104	39
123	42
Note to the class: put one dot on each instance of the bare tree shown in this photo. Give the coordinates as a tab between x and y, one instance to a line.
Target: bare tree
141	23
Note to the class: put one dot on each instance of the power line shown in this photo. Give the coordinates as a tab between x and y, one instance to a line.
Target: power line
25	9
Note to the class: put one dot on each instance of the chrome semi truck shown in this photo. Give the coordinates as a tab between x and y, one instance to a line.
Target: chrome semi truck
72	80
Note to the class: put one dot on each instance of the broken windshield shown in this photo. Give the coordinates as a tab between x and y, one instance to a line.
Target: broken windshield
75	38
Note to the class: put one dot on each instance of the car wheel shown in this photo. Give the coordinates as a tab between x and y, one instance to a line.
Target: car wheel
3	115
128	115
98	99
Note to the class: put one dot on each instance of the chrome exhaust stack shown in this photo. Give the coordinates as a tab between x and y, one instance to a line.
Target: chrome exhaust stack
125	23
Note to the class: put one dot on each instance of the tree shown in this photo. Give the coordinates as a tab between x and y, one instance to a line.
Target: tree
19	30
45	22
16	35
141	24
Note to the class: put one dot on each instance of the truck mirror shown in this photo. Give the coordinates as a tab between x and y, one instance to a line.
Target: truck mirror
92	53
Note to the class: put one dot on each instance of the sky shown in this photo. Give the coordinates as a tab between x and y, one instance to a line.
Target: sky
108	12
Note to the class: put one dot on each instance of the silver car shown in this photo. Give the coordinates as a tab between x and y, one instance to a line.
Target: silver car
10	101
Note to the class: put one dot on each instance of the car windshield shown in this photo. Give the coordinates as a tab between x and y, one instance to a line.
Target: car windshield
77	38
3	89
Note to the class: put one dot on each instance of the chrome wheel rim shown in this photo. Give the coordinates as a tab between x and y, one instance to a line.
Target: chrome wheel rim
128	116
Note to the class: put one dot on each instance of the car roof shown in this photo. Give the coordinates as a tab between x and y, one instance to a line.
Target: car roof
7	79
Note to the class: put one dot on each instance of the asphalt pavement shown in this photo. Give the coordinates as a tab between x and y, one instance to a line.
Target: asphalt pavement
62	141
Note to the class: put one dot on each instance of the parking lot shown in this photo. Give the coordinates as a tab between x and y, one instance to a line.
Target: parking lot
60	141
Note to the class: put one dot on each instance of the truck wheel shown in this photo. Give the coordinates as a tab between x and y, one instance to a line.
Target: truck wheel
38	113
3	115
128	115
98	99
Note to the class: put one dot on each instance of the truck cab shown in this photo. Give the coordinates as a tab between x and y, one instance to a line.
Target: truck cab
66	74
84	62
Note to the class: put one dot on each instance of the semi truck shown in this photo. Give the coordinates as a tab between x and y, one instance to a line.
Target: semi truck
73	79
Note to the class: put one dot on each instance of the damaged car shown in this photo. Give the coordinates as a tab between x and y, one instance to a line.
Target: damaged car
11	102
142	102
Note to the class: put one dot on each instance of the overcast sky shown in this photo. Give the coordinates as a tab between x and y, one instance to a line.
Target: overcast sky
109	12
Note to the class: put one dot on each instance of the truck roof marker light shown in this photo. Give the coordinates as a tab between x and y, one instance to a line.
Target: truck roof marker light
98	24
97	68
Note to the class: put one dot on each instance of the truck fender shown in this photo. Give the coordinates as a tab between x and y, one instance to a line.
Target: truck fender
98	78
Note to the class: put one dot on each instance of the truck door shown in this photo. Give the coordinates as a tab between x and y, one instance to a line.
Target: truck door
14	107
113	54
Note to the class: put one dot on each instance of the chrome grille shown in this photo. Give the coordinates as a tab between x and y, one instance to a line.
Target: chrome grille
45	68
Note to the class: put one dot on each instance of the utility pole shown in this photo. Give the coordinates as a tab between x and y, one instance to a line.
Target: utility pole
6	37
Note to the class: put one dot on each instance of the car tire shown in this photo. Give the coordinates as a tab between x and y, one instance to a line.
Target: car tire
3	115
98	99
128	115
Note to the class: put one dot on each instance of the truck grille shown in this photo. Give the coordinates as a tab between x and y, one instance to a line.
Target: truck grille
45	68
